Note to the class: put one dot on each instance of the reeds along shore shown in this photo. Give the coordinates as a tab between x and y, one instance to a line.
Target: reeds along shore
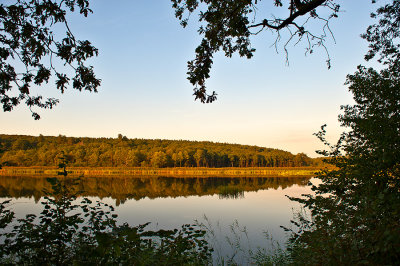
173	172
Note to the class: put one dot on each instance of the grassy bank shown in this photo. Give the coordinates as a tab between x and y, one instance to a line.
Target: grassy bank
175	172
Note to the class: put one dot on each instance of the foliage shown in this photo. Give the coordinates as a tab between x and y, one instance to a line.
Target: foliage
229	26
107	152
6	215
28	39
30	46
355	213
384	36
67	233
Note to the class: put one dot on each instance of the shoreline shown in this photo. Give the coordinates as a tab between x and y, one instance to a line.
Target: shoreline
41	171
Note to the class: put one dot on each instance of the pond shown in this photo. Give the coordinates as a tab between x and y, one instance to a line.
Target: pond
254	205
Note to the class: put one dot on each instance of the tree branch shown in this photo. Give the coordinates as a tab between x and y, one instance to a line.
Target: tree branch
302	9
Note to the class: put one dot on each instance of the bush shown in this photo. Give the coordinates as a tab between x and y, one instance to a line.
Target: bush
66	233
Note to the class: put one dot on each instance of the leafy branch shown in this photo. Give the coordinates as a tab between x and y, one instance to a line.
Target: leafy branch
27	40
229	25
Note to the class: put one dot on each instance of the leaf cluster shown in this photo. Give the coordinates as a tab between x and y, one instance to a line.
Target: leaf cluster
384	36
29	47
229	25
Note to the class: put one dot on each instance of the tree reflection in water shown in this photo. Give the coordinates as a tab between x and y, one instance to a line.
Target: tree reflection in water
122	189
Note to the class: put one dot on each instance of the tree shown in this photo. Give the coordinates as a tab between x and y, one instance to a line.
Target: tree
93	159
159	159
356	210
229	25
27	38
302	159
200	156
179	158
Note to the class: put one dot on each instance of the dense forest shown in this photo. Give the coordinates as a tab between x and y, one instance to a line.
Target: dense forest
20	150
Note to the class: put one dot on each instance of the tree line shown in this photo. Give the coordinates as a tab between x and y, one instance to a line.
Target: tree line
20	150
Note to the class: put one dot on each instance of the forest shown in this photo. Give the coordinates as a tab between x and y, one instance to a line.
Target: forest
20	150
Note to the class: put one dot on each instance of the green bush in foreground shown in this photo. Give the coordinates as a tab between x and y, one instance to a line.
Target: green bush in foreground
66	233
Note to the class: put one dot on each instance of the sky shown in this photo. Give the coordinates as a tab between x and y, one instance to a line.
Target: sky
143	54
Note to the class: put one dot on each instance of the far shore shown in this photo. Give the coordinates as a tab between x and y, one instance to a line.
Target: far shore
40	171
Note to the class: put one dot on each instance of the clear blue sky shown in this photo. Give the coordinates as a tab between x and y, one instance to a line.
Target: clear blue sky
145	94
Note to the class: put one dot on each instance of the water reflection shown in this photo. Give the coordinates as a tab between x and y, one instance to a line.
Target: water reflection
122	189
257	204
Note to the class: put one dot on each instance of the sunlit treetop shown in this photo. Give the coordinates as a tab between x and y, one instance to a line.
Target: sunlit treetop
30	51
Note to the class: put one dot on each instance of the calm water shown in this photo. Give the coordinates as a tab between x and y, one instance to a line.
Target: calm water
257	204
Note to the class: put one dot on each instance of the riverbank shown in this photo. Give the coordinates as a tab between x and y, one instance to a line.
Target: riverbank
173	172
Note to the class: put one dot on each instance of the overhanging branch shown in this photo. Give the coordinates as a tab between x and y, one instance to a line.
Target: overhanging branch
298	9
